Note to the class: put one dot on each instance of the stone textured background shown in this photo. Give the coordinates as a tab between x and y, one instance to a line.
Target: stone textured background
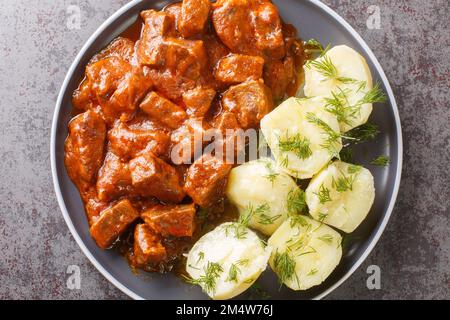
36	247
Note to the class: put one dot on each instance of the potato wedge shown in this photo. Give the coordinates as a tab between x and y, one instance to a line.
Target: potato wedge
260	189
227	261
341	74
302	136
304	252
341	195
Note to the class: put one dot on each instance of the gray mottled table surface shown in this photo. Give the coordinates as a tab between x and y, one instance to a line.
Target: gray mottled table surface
38	41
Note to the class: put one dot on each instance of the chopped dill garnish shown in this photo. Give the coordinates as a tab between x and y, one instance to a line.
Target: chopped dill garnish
296	144
240	227
212	271
374	95
272	175
284	266
285	161
381	161
201	256
352	169
327	238
332	139
312	272
363	133
323	194
296	201
235	270
322	217
265	219
343	183
346	155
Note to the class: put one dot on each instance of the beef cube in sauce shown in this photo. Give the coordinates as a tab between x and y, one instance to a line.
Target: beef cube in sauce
194	14
279	75
237	68
249	27
147	247
250	101
112	223
206	180
163	110
231	22
84	148
198	101
171	220
128	141
152	176
188	140
114	178
267	29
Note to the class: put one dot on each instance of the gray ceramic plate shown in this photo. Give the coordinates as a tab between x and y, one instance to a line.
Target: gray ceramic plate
313	20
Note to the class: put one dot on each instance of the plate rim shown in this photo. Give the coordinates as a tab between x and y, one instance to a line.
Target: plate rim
329	12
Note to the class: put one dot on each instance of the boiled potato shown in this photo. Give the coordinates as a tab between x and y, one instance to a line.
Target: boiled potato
302	136
227	261
260	189
341	72
341	195
304	252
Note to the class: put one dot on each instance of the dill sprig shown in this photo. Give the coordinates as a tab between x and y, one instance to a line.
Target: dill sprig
363	133
313	272
284	266
201	256
322	217
296	144
343	183
332	138
296	201
212	271
266	219
235	270
240	227
374	95
272	175
323	194
327	238
381	161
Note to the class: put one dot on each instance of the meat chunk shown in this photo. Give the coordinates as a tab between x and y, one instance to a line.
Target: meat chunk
163	110
150	48
128	143
216	50
125	99
84	148
231	22
250	27
112	223
114	179
151	176
237	68
171	220
115	87
279	75
198	101
120	47
232	139
180	67
206	180
147	247
194	14
267	29
188	140
250	101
